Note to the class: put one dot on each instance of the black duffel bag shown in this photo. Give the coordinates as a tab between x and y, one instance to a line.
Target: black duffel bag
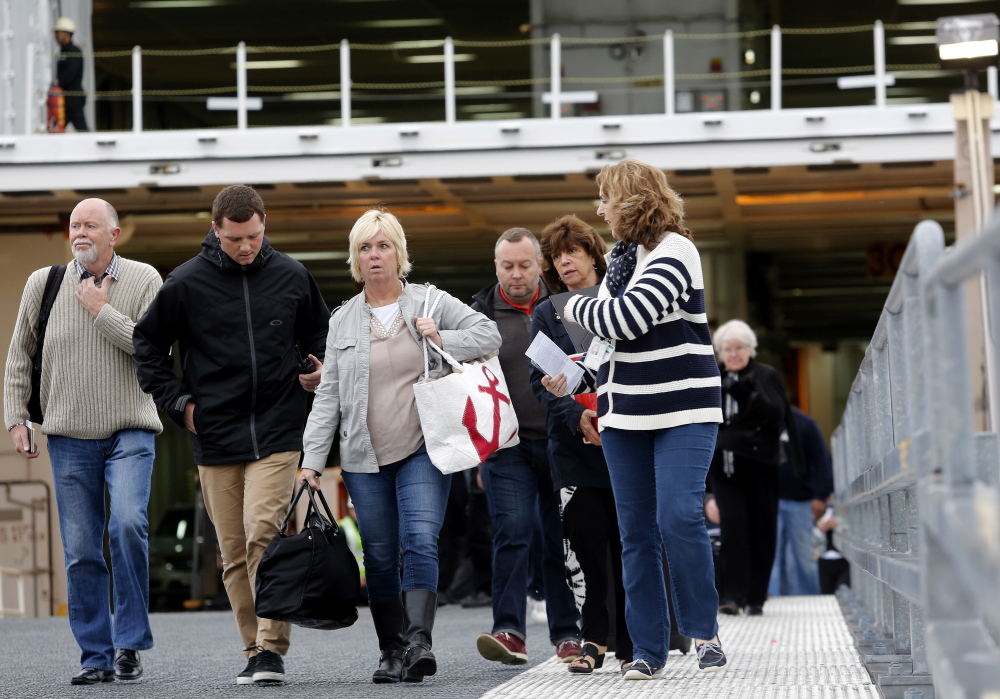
310	579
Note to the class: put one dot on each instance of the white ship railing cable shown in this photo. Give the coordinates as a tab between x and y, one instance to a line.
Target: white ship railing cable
777	73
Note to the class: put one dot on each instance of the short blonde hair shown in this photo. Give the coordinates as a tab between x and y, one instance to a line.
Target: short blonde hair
735	331
366	228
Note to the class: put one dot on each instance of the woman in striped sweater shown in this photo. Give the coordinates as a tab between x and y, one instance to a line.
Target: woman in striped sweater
659	405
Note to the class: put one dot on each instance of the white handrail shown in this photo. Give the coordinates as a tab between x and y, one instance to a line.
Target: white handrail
555	66
449	80
241	86
345	83
136	89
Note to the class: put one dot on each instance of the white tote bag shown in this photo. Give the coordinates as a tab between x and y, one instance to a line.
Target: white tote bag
466	415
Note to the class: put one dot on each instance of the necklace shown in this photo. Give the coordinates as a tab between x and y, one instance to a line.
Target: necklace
383	334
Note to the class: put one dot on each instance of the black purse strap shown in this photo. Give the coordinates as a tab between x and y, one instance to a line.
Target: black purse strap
313	507
52	284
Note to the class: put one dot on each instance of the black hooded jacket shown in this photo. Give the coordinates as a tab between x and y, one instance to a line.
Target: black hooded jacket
243	332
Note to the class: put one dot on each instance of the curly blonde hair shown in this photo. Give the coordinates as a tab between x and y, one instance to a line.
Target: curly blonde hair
647	207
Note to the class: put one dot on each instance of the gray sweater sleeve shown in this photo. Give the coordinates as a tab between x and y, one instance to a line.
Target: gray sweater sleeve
118	327
466	334
324	418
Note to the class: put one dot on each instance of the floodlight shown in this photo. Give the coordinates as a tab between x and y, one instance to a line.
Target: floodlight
968	42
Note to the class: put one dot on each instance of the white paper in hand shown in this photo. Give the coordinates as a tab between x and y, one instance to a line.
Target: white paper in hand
552	360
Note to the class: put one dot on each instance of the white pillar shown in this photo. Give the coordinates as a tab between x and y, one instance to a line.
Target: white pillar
556	78
29	92
879	64
449	80
136	89
668	72
241	86
345	83
775	68
991	83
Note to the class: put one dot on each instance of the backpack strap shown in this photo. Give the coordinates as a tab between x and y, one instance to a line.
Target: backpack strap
52	284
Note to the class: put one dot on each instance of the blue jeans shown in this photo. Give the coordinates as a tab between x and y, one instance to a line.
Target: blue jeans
80	470
518	483
795	570
402	504
659	476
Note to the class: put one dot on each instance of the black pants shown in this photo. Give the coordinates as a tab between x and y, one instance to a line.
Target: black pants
748	508
466	534
74	113
590	523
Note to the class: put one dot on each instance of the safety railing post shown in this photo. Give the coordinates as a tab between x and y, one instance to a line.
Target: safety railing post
241	86
136	89
449	80
555	67
29	91
775	67
879	64
952	392
669	71
345	83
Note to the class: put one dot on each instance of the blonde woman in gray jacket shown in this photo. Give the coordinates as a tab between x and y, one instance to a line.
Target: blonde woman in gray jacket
365	401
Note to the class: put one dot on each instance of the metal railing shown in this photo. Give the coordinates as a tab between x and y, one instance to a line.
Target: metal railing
917	488
777	74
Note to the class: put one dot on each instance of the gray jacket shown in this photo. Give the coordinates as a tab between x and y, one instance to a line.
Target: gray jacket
341	405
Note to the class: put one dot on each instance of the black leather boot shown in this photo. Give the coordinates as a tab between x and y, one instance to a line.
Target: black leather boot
419	608
388	618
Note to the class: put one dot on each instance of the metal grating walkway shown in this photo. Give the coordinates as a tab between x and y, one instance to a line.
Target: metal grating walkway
801	647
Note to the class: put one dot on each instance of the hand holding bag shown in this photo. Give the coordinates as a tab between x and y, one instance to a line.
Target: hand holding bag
310	579
466	415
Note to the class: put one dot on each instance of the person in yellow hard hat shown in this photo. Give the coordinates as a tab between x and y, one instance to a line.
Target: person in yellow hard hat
69	73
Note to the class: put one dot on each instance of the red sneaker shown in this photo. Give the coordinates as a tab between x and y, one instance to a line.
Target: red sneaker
503	647
567	651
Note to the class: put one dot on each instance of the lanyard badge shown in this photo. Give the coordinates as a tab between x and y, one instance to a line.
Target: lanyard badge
600	351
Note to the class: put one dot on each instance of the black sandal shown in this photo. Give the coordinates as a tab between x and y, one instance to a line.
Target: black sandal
589	655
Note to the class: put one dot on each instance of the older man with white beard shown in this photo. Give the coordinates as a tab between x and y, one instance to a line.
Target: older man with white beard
100	427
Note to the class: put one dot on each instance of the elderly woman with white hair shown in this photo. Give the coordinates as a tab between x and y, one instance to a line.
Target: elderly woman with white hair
365	403
744	473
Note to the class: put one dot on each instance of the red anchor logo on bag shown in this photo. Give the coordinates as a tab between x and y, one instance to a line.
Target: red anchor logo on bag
485	447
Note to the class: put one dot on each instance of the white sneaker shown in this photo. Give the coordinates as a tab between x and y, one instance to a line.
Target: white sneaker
536	611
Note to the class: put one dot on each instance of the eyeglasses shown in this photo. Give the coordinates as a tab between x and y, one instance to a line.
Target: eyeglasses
733	349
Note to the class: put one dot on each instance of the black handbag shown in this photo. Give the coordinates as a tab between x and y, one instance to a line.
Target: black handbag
52	284
310	579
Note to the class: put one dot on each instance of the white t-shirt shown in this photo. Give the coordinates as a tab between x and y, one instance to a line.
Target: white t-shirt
386	314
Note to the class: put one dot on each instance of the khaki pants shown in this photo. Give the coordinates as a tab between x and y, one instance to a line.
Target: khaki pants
246	502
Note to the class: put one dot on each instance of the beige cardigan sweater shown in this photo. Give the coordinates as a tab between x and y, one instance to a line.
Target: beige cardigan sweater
89	389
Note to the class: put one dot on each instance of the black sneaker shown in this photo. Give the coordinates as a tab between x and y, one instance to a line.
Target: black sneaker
246	677
270	668
755	610
639	670
710	656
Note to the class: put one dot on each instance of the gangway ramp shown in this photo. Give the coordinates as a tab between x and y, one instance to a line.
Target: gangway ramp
800	647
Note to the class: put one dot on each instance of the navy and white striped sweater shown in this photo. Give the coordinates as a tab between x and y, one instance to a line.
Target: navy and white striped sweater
663	371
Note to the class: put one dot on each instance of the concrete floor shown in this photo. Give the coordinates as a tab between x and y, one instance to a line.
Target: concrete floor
800	647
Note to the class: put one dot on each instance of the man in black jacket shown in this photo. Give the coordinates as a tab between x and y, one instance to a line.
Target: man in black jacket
69	73
244	316
517	480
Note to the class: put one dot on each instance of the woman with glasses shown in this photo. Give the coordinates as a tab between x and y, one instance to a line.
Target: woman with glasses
744	473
